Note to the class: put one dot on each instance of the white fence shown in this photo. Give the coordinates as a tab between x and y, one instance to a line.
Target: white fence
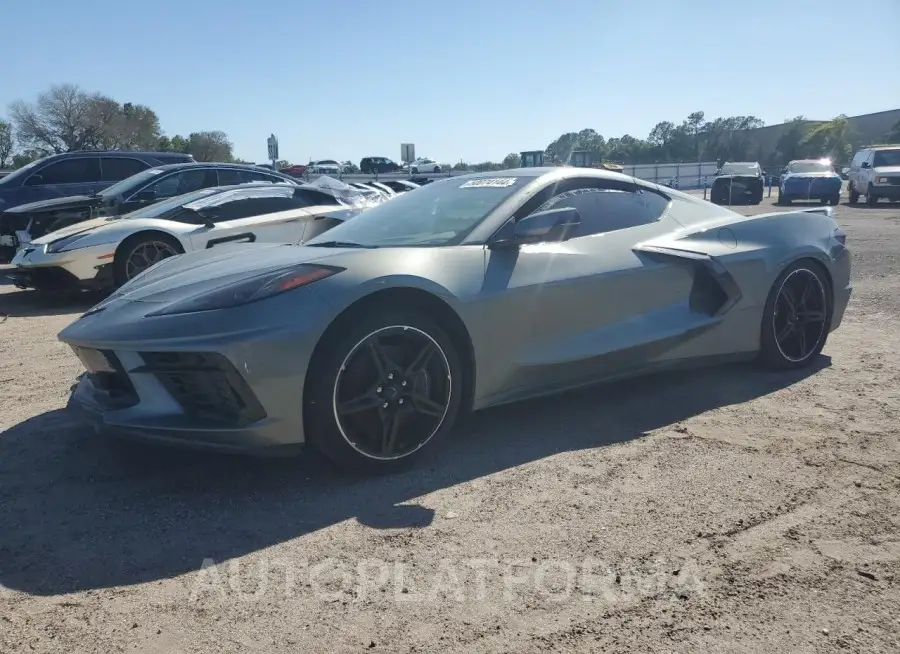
683	175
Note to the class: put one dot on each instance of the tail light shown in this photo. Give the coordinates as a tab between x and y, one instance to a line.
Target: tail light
840	236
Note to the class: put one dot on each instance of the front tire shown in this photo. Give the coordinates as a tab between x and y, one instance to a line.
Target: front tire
387	388
140	251
871	198
414	171
854	195
797	317
835	200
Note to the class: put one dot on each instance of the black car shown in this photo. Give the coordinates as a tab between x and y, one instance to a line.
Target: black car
147	187
376	165
738	182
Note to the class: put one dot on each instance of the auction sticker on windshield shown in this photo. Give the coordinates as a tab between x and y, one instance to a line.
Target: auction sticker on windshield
490	182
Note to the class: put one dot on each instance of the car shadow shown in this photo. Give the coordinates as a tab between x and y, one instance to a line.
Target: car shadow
82	512
882	206
27	304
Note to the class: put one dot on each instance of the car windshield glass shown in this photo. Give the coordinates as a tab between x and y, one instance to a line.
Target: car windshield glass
887	158
130	182
810	167
19	173
158	209
441	213
739	169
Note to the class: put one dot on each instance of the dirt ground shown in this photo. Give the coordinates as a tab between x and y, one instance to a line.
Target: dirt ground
724	510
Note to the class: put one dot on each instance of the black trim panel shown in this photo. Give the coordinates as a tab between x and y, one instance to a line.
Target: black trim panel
248	237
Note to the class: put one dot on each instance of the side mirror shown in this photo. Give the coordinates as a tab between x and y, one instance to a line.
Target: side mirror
865	164
543	227
34	180
146	196
206	218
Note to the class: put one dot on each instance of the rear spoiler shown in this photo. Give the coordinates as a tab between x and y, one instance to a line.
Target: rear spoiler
825	211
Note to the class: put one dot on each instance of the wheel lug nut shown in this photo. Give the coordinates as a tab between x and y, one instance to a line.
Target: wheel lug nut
378	390
385	405
400	401
403	383
390	375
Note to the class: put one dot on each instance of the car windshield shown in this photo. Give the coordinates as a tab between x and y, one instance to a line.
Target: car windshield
739	169
19	173
439	214
130	182
158	209
887	158
809	167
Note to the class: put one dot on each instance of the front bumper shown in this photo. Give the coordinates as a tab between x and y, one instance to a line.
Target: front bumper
222	380
88	268
733	192
815	190
887	191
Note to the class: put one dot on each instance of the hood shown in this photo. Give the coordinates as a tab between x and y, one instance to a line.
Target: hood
57	204
186	275
77	228
887	170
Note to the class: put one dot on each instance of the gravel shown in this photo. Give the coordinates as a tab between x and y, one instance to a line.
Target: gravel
725	510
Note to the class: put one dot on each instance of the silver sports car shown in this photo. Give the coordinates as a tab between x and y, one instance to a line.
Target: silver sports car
369	341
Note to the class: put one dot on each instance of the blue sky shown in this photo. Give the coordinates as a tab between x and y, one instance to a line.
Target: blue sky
465	79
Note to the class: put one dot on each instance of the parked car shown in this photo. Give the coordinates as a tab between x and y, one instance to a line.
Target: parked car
424	166
875	173
107	252
26	222
378	165
77	173
368	342
809	179
738	182
399	185
326	167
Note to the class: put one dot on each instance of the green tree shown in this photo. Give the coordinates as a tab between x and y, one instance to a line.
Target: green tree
831	139
791	142
210	146
512	160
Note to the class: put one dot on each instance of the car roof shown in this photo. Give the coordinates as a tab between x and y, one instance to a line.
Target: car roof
808	161
214	164
883	147
746	163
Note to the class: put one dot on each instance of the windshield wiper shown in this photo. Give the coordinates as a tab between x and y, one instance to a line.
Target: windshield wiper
340	244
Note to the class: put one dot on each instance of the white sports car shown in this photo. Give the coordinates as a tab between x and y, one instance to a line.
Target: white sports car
107	252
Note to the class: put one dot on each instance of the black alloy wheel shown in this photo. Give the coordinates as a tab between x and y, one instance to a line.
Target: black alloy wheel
394	389
797	317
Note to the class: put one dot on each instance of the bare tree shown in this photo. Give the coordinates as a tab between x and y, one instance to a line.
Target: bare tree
67	118
6	143
210	146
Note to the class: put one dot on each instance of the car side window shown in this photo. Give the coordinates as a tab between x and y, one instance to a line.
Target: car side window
247	207
604	208
181	182
115	169
82	170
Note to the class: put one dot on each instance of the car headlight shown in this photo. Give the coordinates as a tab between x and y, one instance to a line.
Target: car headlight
252	289
67	243
882	180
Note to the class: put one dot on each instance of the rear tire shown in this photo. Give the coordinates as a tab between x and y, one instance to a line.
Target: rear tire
414	171
130	247
795	328
835	200
345	366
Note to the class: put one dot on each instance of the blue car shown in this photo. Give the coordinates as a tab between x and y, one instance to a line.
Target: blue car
77	173
809	179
